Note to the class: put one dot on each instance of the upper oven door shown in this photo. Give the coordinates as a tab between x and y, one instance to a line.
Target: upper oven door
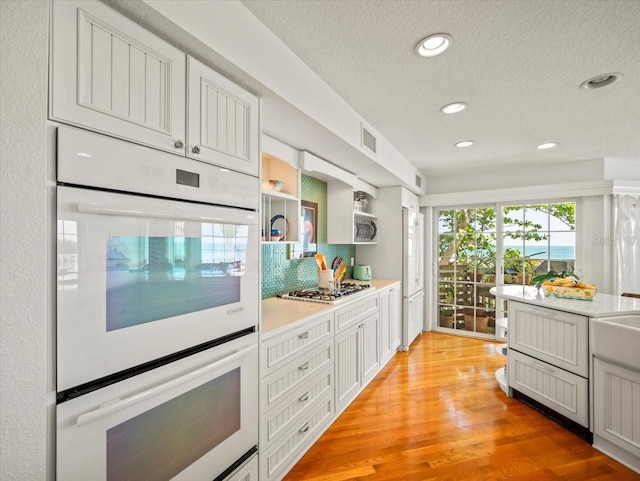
141	278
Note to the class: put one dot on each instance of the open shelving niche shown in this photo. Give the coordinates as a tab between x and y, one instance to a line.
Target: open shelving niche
280	210
345	224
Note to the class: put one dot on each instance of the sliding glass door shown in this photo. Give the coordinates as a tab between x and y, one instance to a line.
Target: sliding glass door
531	239
467	269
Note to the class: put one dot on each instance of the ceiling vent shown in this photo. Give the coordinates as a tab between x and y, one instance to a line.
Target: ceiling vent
418	181
368	139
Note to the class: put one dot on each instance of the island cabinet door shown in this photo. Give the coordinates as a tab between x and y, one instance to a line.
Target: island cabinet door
110	75
223	124
553	336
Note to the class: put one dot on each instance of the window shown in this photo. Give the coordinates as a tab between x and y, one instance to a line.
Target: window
537	238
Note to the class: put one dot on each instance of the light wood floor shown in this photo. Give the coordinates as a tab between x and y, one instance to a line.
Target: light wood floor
436	413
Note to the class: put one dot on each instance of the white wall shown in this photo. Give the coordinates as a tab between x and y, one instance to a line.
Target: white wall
594	242
520	176
23	239
622	169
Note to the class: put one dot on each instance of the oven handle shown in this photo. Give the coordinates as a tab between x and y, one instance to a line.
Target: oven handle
119	404
228	218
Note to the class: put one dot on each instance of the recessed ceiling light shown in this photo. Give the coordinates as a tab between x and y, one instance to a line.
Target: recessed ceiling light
433	45
453	108
464	143
546	145
83	154
600	81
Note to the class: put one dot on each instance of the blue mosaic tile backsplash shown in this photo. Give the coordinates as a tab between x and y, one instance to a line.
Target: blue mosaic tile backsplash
282	275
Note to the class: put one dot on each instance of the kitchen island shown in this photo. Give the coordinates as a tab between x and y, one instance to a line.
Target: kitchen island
579	363
602	305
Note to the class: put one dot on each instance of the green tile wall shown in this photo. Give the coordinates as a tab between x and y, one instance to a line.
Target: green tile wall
282	275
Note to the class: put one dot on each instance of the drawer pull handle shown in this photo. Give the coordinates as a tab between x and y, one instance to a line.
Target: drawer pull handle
305	397
542	366
304	428
542	311
304	367
304	335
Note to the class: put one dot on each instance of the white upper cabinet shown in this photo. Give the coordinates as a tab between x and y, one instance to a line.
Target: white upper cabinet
222	121
110	75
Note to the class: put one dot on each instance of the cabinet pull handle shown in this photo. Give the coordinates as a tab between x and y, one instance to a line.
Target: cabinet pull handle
179	144
542	366
542	311
304	428
195	149
304	367
304	335
304	397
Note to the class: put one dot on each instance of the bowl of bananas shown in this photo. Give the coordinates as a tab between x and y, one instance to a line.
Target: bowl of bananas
565	285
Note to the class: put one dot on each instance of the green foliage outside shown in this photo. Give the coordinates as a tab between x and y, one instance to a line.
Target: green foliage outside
468	236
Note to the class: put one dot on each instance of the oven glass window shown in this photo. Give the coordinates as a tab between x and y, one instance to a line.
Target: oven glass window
152	278
160	443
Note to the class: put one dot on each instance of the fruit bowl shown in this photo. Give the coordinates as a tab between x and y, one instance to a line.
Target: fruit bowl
580	293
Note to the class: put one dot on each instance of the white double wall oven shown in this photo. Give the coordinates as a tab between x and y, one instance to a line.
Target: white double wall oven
157	313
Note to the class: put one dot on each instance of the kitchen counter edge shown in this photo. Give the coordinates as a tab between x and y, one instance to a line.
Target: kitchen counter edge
602	305
280	313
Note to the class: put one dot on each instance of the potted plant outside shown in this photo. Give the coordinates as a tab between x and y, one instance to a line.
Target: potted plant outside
519	268
446	317
484	266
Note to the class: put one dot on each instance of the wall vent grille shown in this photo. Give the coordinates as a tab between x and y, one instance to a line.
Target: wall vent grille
418	181
368	140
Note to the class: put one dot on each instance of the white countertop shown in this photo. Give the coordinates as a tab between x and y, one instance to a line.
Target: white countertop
277	312
602	305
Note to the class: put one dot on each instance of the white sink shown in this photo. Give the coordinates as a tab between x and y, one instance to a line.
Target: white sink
617	340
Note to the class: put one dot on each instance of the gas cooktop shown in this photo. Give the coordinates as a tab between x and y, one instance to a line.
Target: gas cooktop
323	296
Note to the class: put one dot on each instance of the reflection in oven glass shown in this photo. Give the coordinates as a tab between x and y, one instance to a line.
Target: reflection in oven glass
153	278
160	443
67	255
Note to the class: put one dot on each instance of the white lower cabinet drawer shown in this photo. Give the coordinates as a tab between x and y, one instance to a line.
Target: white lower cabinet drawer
562	391
279	350
278	385
296	405
356	311
281	455
557	337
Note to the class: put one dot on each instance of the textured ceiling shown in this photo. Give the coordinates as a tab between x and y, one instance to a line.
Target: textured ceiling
517	63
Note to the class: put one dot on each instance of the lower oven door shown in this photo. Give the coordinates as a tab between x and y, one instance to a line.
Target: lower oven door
188	420
141	278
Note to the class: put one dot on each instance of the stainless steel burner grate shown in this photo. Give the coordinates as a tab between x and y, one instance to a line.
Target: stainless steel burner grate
322	296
